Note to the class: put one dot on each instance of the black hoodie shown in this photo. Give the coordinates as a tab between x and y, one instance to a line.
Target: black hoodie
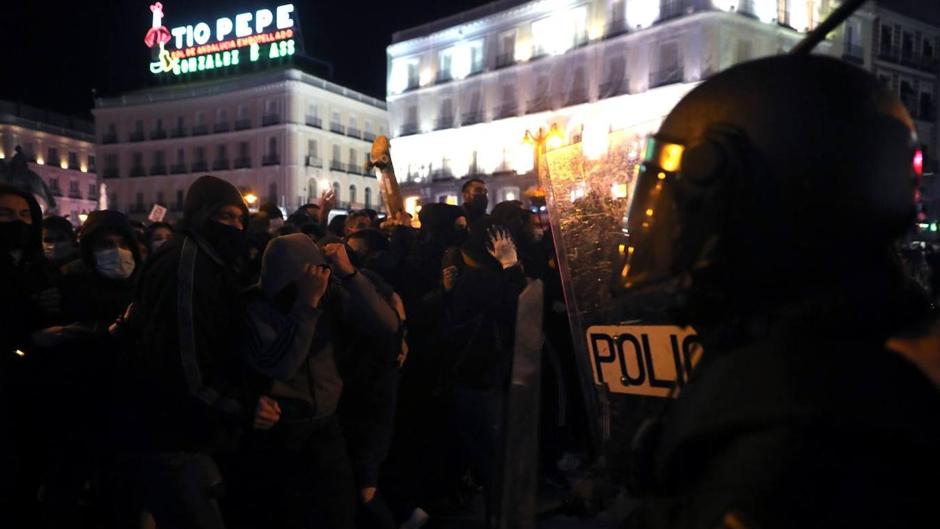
189	386
19	282
87	297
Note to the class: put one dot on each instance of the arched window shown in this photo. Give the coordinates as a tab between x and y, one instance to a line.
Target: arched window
336	191
312	191
368	197
352	194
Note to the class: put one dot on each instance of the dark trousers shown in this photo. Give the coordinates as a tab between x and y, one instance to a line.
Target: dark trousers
478	420
302	475
180	489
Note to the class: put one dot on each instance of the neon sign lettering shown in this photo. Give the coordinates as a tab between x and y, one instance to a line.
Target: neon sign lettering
199	47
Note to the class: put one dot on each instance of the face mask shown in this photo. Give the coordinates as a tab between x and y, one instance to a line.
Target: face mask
14	235
229	242
57	251
156	244
116	263
477	205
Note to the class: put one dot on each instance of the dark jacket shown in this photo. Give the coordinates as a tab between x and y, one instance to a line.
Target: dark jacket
806	421
296	345
189	386
19	282
481	323
88	297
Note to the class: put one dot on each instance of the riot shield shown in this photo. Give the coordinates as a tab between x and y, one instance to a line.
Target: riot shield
630	355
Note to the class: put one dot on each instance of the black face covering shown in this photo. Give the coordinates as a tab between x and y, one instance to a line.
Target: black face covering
14	235
476	207
229	242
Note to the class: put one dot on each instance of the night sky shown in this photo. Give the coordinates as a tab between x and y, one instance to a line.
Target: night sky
55	52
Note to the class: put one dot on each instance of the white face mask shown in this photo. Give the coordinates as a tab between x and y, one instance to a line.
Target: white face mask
56	251
156	244
116	263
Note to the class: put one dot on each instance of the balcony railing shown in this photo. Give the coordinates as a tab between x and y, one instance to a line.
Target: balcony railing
74	165
159	169
138	171
242	124
242	163
109	138
75	193
313	161
444	76
540	104
616	28
137	135
505	59
614	87
576	97
270	119
413	84
444	122
353	132
270	159
110	173
670	9
200	130
471	118
408	129
368	136
56	192
507	110
313	121
221	127
336	165
354	168
220	165
337	127
178	168
665	76
178	132
158	134
200	167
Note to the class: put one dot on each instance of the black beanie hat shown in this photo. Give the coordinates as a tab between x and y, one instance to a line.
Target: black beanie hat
207	195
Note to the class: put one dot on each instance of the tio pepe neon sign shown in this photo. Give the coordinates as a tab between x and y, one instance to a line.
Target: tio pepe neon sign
201	47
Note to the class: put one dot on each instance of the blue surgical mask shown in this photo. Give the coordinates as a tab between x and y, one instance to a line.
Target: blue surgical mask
116	263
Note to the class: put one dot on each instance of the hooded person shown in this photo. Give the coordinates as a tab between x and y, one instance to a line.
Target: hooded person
188	396
29	301
306	307
478	334
59	242
98	287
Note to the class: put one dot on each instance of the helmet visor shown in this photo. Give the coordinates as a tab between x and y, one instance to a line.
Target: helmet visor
652	228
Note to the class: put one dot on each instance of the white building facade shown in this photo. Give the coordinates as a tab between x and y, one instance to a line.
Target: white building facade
282	134
463	91
60	149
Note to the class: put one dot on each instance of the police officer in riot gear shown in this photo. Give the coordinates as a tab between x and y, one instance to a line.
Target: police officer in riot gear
768	204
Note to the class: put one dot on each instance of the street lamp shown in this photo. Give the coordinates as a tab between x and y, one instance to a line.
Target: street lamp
251	199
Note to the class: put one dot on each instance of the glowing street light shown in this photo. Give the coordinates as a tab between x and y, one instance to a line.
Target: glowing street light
251	199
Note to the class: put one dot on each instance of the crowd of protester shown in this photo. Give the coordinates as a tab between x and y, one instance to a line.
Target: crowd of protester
240	369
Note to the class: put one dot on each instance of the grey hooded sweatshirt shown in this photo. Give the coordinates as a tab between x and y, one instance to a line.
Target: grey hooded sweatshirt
295	346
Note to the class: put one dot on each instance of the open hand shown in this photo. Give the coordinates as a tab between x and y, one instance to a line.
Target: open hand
502	247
